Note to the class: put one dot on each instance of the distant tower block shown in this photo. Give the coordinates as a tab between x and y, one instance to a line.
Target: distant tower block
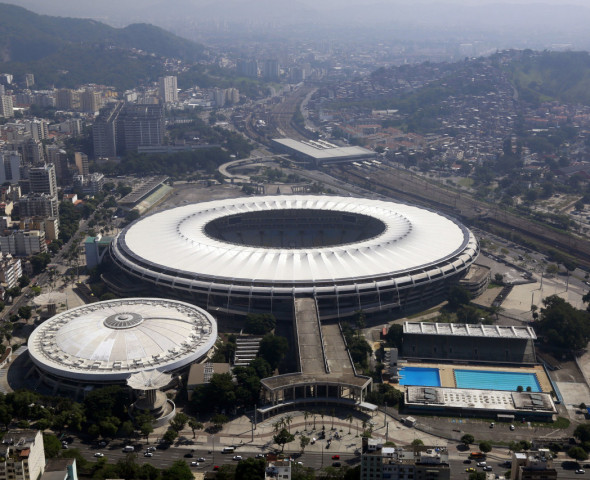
147	384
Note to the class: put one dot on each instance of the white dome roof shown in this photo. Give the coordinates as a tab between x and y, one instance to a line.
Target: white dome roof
113	339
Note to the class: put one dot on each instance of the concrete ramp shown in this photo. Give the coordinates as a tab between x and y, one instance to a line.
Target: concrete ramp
336	353
309	337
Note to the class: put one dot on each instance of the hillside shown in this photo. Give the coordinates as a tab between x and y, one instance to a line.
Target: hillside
47	46
543	76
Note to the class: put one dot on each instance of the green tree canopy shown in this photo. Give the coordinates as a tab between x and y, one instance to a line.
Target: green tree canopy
282	438
577	453
485	447
563	326
467	439
178	471
250	469
51	445
458	296
260	323
273	349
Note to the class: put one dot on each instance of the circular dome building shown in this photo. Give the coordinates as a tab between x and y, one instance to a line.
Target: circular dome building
107	342
257	254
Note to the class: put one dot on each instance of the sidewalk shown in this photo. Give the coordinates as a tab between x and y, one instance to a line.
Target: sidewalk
238	433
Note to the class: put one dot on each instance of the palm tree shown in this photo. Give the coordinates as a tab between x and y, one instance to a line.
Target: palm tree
333	413
349	418
322	413
288	420
305	417
314	415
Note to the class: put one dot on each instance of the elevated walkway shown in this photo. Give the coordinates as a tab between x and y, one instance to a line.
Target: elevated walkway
326	371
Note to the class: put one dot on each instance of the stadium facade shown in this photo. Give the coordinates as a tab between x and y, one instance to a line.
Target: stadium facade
258	254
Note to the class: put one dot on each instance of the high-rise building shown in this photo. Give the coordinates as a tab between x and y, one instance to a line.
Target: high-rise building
6	78
43	180
219	97
6	106
140	125
168	89
272	69
67	99
38	205
248	68
81	160
59	158
29	80
32	151
37	128
104	131
90	101
10	163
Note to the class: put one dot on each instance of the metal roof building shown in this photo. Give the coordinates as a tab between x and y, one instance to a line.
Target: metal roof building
321	151
257	254
107	342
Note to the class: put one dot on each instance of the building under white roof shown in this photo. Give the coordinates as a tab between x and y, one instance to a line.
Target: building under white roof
257	254
474	401
107	342
317	152
464	329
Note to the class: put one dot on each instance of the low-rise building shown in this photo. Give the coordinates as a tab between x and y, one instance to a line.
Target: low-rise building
416	462
533	465
10	271
23	454
23	244
60	469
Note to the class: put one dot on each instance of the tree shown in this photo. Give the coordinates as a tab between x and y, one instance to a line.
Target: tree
170	435
23	281
394	336
179	421
582	432
458	296
273	349
51	445
499	278
25	312
282	438
485	447
577	453
250	469
194	425
126	429
303	442
178	471
417	442
349	418
467	439
146	428
563	326
260	324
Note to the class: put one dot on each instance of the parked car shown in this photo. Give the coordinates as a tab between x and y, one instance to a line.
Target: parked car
335	457
194	464
237	457
99	454
148	454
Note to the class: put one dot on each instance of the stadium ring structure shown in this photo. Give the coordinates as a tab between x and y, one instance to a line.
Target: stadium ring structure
257	254
107	342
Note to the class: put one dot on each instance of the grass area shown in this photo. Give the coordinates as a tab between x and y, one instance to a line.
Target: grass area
466	182
561	422
421	314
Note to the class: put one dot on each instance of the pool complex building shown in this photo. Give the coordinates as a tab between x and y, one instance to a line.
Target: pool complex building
477	390
472	378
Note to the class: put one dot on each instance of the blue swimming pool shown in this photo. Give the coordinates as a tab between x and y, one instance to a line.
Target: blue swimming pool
426	377
489	380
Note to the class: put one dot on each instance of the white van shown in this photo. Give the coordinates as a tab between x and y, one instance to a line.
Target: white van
228	450
129	448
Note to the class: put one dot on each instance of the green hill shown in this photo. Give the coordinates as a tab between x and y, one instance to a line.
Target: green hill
543	76
88	50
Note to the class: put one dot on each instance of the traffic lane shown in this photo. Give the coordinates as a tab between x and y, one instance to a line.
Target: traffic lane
163	458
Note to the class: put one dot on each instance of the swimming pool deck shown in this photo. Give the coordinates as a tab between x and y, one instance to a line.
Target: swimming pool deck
447	377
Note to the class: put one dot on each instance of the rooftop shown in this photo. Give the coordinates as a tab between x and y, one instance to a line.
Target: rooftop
461	329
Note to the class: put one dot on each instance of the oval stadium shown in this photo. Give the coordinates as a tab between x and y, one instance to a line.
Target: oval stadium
258	254
106	342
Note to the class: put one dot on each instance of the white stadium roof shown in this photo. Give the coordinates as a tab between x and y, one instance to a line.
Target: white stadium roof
109	341
324	151
463	329
175	241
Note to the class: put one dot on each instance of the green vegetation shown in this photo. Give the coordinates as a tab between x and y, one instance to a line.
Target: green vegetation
282	438
545	76
68	52
562	326
260	324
